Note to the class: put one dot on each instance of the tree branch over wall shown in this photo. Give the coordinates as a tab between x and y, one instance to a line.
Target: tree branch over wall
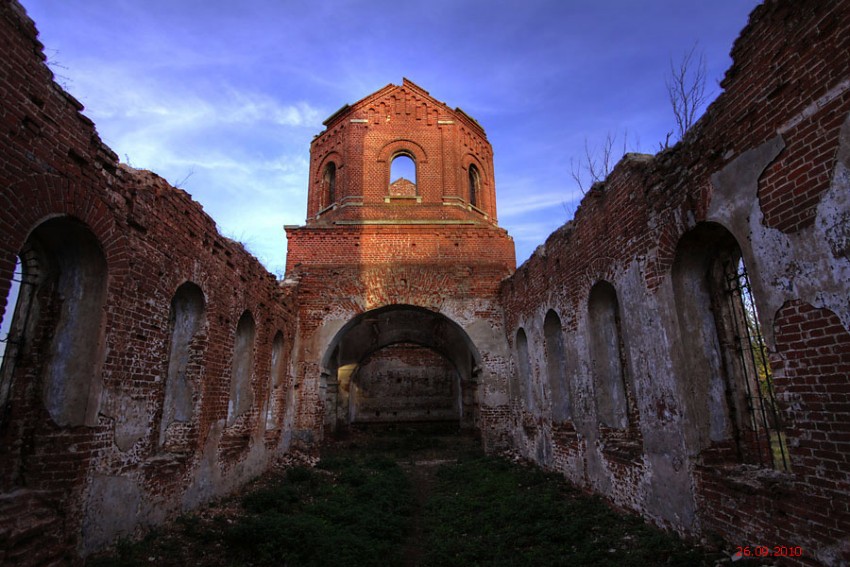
686	89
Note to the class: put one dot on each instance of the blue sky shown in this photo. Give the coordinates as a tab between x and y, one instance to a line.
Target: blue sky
223	97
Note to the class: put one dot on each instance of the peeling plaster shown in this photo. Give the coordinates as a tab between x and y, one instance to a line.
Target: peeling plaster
812	264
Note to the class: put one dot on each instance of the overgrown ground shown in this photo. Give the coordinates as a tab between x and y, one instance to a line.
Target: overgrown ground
408	497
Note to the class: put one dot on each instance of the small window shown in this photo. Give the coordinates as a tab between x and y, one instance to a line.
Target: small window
727	380
762	423
329	183
403	176
474	185
11	303
10	337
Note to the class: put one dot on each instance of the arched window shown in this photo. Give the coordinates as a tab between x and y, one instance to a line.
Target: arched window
606	354
727	380
402	176
186	319
329	184
277	401
243	365
58	313
556	361
474	184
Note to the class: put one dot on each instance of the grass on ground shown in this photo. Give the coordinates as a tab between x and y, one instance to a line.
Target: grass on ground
359	507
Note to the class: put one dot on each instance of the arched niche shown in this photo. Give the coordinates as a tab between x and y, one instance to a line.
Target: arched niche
59	314
606	355
556	362
242	369
186	319
276	403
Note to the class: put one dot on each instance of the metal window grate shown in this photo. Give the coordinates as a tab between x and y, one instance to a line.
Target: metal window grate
762	414
22	283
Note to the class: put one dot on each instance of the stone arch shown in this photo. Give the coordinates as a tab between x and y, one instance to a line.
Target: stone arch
399	324
53	203
332	156
402	146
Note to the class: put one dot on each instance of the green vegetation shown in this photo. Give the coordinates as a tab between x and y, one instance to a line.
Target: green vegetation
350	512
401	499
490	512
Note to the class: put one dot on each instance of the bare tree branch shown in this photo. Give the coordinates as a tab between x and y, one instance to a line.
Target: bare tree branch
597	162
179	184
686	89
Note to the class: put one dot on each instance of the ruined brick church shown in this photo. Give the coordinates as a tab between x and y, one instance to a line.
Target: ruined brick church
682	347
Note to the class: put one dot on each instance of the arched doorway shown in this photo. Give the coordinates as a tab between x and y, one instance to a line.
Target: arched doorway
400	363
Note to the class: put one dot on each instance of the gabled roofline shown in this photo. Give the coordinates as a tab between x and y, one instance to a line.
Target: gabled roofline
406	83
339	112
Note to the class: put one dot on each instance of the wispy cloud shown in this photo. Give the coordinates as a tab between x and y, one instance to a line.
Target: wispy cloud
243	154
521	196
517	203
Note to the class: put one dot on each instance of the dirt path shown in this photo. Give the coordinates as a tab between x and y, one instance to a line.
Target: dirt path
421	469
420	451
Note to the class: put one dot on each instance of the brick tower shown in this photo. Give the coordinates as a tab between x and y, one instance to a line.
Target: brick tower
397	274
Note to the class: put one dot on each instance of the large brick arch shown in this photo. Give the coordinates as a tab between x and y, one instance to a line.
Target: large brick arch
376	329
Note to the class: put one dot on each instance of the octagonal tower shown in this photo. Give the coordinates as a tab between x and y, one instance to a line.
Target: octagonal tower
353	162
386	251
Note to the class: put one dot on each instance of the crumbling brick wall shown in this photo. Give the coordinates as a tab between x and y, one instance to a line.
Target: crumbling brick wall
605	356
76	472
762	176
